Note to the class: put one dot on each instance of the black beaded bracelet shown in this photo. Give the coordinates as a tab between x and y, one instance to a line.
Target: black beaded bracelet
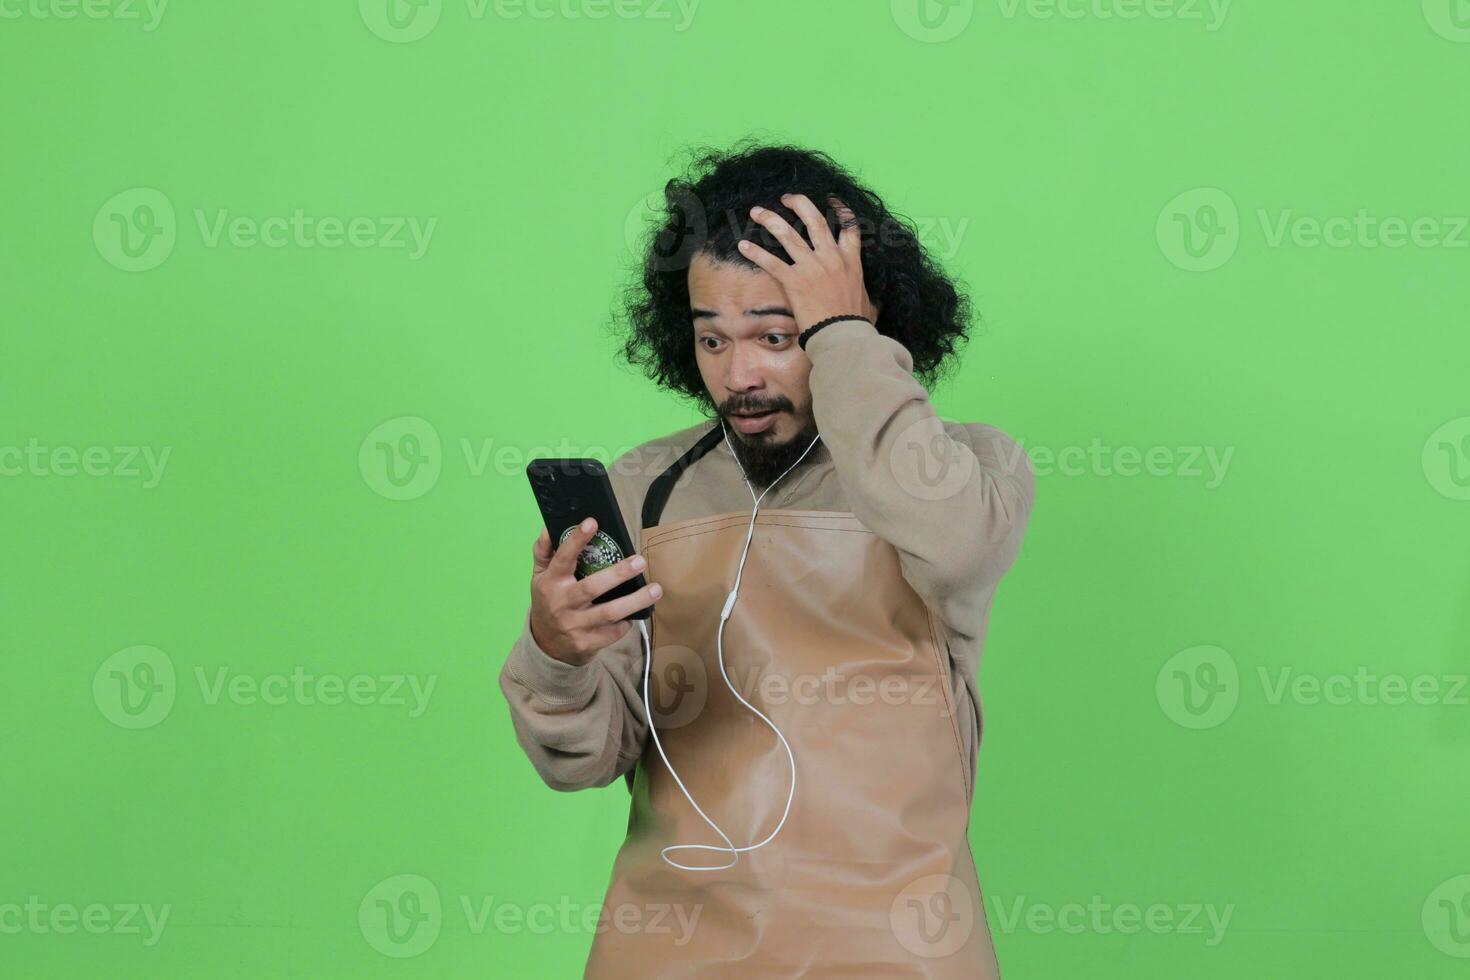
806	334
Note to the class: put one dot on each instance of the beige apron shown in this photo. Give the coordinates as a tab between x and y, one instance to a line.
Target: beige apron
871	875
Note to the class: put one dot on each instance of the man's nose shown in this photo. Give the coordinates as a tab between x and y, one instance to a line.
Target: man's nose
745	370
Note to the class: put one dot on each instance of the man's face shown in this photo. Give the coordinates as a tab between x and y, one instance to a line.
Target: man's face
745	345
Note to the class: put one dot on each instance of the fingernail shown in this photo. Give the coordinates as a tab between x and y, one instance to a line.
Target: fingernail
587	524
639	563
656	591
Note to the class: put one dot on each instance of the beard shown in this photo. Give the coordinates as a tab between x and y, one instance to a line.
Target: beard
763	458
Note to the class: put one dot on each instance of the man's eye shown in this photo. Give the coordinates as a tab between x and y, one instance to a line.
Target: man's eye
780	337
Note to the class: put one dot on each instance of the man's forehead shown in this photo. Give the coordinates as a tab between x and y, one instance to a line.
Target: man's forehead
711	279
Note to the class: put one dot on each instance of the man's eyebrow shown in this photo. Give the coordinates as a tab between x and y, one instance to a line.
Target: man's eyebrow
703	314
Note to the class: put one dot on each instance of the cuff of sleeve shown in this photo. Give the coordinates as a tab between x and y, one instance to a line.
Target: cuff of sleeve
553	681
837	333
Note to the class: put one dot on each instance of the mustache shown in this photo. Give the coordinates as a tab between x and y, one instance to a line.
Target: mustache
733	405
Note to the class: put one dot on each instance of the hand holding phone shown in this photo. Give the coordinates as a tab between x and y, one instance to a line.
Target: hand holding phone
585	586
566	621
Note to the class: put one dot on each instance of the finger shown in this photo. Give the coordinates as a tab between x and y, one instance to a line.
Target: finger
762	258
541	550
597	583
564	562
850	239
815	221
615	609
785	234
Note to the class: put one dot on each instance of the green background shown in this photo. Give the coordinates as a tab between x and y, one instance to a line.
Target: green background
1051	149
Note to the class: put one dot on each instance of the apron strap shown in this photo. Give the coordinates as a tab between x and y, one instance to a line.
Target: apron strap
658	495
663	484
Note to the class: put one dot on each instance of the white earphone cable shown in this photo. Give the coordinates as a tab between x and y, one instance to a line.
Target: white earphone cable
729	847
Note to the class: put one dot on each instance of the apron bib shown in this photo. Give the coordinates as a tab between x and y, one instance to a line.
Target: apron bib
872	875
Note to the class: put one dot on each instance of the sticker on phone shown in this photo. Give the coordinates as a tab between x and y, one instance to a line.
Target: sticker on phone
598	554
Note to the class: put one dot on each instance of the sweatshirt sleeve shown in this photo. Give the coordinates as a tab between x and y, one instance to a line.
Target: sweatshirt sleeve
581	725
953	498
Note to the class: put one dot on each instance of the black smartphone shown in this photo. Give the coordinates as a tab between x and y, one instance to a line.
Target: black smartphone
570	490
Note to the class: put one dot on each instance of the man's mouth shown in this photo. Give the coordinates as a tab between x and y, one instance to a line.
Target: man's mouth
752	422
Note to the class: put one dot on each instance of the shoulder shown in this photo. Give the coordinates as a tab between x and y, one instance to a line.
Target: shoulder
633	471
639	466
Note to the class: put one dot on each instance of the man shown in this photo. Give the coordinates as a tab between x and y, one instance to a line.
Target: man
804	798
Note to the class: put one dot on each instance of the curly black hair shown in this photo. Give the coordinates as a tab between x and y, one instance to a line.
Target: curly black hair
707	210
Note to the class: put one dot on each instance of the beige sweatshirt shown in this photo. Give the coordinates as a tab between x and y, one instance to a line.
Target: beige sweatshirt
953	498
